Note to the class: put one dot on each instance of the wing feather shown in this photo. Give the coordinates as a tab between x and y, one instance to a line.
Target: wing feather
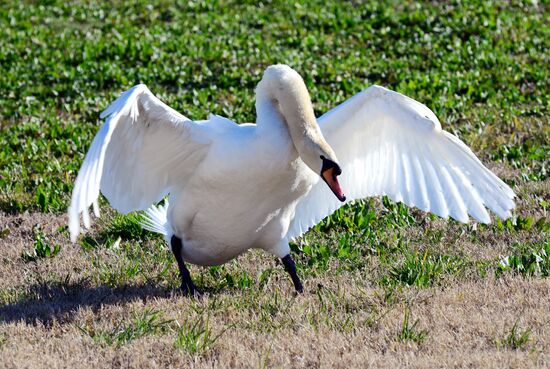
389	144
143	150
420	195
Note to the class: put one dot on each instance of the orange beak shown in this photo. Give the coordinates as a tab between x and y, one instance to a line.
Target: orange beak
329	176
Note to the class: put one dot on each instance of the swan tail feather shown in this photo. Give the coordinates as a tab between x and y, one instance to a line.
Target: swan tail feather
155	220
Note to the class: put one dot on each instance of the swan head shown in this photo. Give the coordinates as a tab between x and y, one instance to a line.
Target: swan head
317	154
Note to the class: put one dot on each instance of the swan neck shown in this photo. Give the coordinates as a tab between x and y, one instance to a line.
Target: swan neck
283	91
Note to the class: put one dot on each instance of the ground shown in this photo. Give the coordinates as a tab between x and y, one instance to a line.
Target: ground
385	286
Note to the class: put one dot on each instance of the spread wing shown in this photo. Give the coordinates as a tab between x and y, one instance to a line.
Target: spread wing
144	149
389	144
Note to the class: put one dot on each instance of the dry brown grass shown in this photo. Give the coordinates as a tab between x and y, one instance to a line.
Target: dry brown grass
356	328
57	312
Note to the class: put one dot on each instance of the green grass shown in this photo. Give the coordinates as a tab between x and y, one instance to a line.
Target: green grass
534	262
147	322
515	339
411	332
424	269
481	68
196	337
41	248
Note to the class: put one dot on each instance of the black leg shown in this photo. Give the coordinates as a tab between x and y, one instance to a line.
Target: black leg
187	285
290	267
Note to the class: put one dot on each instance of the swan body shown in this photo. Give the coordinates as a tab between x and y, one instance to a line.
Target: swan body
231	206
234	187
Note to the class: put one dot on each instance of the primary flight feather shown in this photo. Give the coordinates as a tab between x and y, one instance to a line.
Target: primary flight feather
234	187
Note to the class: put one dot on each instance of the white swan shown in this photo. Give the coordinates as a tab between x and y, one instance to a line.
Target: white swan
235	187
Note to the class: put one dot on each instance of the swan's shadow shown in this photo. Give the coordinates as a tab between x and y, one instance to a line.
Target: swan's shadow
60	301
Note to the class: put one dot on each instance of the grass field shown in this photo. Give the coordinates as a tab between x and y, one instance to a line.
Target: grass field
385	286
